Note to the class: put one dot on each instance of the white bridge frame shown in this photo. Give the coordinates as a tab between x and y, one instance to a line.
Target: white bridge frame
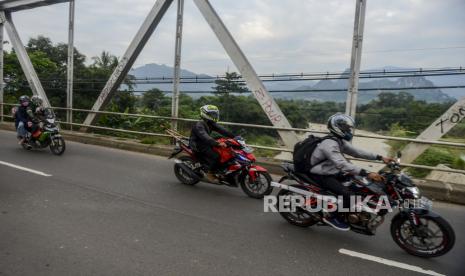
434	132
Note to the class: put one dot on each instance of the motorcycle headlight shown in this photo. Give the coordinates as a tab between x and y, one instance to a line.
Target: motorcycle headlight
413	191
247	149
51	121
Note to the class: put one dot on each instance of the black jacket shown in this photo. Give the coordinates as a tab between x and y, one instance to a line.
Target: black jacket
200	135
23	114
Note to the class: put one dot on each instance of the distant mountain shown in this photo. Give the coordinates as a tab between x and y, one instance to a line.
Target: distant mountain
431	95
154	70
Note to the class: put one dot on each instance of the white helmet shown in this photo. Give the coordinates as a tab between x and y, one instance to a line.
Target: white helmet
210	113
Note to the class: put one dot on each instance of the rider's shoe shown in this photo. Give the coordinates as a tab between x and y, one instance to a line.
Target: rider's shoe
336	222
21	141
211	177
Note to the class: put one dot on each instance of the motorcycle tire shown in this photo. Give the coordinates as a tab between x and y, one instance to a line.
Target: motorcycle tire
255	189
184	176
300	217
446	244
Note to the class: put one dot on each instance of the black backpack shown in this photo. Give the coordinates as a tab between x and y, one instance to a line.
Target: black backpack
303	151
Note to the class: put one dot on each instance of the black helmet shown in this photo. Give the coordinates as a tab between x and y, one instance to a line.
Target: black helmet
24	100
342	126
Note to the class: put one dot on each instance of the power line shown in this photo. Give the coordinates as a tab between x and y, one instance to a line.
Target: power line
277	91
373	74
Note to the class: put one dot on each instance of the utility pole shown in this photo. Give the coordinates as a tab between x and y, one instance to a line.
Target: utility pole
352	93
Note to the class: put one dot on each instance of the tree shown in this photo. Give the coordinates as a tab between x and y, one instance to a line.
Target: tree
229	84
224	87
105	61
153	99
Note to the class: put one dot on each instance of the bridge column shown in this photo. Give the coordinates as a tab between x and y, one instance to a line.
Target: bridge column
177	64
69	83
2	84
352	93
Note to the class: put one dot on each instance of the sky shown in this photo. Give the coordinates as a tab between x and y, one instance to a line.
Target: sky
277	36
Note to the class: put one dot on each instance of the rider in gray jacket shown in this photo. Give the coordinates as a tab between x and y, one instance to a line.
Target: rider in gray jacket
329	159
329	166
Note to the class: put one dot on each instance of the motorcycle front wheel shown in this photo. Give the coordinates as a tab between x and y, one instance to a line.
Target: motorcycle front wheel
57	145
432	238
259	187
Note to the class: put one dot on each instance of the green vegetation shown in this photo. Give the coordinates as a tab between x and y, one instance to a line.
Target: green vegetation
397	114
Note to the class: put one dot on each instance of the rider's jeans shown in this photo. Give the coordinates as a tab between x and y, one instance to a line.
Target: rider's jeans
22	131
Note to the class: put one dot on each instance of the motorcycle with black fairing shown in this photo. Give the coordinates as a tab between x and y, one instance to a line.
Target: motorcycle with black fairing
415	228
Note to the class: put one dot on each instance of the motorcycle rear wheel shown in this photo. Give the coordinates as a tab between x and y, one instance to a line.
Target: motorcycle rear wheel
435	228
184	176
300	217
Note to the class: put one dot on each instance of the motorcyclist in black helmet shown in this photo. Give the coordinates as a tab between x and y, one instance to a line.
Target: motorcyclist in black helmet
330	166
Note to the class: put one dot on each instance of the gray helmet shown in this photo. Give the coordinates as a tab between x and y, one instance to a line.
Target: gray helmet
23	100
342	126
36	100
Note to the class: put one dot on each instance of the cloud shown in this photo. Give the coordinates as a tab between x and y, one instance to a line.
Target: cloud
276	35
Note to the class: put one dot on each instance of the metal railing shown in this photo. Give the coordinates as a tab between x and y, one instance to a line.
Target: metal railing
278	149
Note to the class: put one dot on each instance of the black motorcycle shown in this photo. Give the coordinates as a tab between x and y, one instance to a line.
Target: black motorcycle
416	228
46	135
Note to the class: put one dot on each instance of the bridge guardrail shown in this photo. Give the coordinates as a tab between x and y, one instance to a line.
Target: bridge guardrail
381	137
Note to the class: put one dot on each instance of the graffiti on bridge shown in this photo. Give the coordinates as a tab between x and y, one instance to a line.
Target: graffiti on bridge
268	106
453	117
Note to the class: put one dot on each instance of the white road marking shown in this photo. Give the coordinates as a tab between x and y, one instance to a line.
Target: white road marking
388	262
24	169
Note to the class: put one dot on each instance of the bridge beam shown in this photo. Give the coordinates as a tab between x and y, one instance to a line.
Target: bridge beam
23	58
2	86
17	5
70	65
177	64
435	131
260	92
129	57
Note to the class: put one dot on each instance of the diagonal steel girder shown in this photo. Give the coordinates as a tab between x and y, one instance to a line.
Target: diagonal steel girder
435	131
23	58
260	92
18	5
129	57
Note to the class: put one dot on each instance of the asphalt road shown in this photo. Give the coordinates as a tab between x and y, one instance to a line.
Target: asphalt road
110	212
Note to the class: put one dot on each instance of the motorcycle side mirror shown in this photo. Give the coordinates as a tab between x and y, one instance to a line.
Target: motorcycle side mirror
399	154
